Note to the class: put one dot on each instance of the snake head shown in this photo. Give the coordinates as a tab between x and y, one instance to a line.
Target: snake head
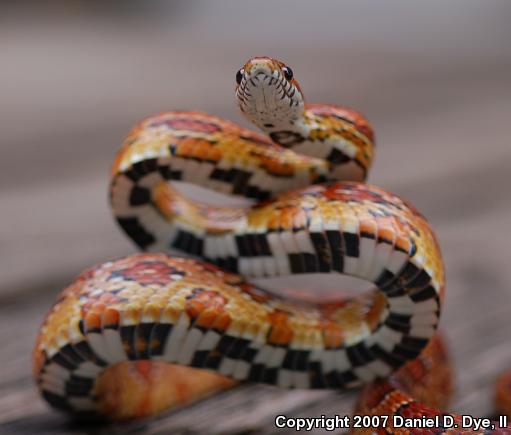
268	95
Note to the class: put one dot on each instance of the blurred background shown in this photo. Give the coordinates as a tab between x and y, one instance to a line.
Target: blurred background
433	77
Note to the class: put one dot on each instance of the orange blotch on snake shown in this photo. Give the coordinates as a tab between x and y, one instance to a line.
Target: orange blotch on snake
200	299
386	234
373	315
196	147
111	317
333	334
403	243
281	330
92	321
368	227
206	319
223	321
272	165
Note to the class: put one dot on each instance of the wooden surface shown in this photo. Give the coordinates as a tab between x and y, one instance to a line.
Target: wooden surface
435	82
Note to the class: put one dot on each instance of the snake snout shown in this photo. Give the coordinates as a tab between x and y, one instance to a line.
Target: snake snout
262	72
260	75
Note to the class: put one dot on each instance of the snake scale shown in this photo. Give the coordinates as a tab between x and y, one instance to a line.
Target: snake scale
115	341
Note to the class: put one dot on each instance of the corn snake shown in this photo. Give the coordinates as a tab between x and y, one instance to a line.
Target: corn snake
312	215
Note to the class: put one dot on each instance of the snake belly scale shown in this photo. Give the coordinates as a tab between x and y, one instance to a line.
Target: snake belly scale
312	213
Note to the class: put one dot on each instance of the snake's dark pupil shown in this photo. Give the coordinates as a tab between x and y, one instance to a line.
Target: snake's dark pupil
239	76
288	73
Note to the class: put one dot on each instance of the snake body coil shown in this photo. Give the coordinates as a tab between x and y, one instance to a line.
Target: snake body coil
312	215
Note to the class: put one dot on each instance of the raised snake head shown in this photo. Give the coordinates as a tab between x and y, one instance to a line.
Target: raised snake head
268	95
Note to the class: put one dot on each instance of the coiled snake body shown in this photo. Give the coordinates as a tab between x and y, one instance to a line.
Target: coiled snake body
311	215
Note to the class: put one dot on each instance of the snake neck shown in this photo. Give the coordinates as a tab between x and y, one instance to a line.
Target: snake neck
325	132
290	132
269	96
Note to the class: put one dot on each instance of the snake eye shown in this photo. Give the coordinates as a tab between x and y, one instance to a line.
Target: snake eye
288	72
239	76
